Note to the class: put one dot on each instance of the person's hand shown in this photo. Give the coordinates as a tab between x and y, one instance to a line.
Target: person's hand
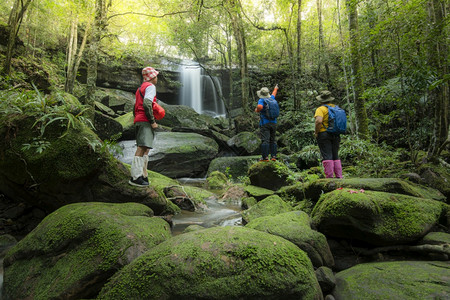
276	86
315	135
154	125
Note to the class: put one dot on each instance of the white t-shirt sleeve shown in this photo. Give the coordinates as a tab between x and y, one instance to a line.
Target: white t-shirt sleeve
150	92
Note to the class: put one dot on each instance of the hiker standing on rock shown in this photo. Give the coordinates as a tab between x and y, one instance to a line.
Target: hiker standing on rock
145	124
330	123
268	110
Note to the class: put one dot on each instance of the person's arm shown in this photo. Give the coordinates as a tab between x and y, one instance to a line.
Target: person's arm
259	106
318	125
150	93
275	90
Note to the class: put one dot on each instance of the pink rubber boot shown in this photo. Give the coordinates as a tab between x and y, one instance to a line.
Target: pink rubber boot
328	167
337	168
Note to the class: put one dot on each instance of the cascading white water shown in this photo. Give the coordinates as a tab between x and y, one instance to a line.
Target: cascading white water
190	94
199	91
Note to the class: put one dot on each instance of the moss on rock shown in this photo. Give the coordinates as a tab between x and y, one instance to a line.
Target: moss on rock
295	226
218	263
74	250
270	206
376	217
394	280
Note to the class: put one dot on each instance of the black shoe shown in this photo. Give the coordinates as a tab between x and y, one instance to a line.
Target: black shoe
145	179
138	182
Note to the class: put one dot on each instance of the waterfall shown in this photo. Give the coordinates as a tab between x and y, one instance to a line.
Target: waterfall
199	91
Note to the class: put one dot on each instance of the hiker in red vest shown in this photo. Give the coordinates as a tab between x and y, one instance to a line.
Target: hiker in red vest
328	142
145	124
268	122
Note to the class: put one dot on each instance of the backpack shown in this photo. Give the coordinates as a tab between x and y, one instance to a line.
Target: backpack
337	120
272	108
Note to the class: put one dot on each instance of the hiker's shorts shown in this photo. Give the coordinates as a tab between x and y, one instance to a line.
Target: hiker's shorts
144	134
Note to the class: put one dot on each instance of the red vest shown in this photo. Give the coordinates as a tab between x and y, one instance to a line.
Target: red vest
139	113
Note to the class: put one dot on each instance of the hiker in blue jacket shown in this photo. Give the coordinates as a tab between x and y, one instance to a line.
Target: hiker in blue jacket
268	110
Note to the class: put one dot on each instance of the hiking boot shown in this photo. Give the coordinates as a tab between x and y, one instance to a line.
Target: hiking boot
138	182
145	179
273	159
264	159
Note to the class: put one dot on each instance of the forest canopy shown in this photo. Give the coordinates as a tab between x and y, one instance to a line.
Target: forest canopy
387	61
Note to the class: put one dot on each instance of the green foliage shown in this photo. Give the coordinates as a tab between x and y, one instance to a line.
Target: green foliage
369	159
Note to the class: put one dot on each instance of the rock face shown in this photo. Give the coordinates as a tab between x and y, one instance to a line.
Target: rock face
74	250
295	226
218	263
377	218
394	280
73	168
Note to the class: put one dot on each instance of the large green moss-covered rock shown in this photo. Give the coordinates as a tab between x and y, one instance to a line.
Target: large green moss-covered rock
315	189
74	167
74	250
270	175
377	218
394	280
182	154
218	263
270	206
295	226
234	166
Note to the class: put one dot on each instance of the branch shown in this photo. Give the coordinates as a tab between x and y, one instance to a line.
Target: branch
148	15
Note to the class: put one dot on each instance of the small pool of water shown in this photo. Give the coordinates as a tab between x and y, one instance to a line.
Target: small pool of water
217	213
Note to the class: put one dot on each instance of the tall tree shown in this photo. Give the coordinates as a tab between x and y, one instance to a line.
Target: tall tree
234	10
74	54
438	57
360	109
322	45
98	30
14	22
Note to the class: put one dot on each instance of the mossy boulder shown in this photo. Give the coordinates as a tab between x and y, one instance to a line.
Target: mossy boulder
106	127
436	176
270	206
127	122
257	192
313	190
394	280
377	218
217	180
180	154
74	250
218	263
295	226
73	167
235	166
271	175
245	143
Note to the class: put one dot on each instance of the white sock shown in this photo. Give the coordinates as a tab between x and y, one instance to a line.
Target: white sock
144	166
136	167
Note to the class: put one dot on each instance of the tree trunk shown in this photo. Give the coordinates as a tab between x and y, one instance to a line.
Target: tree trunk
239	35
74	63
100	23
360	109
438	51
344	68
298	55
14	22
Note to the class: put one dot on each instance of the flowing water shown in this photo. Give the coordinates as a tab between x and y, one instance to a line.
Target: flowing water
199	91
